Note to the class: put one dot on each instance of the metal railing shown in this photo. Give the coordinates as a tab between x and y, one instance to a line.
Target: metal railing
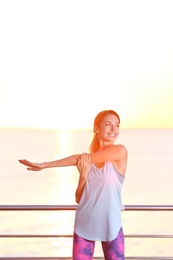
73	207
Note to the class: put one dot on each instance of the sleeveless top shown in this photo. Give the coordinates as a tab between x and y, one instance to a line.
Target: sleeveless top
98	215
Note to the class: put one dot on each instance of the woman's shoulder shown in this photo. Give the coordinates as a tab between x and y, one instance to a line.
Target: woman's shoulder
120	162
120	147
117	148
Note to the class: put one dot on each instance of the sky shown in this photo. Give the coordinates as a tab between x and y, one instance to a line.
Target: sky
62	62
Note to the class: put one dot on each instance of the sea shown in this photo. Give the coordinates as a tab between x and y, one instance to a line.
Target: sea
148	181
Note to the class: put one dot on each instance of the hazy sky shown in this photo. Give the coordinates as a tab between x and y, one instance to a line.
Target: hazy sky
61	62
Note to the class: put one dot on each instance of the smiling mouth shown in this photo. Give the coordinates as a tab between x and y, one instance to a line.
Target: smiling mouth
112	135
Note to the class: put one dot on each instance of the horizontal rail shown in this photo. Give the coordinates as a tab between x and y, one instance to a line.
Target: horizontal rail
58	236
37	207
95	257
73	207
148	208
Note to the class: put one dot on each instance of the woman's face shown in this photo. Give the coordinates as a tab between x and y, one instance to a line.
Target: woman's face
108	129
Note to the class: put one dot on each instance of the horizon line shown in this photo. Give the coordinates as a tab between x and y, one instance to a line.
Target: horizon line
80	128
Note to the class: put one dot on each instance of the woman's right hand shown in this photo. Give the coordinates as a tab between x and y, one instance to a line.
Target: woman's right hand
32	166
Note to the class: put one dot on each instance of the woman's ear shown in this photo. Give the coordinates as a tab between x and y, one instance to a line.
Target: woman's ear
95	129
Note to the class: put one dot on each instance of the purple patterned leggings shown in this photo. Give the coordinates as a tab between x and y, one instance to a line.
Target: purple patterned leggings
83	249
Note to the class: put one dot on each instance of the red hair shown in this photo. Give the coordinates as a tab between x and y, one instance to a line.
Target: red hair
95	145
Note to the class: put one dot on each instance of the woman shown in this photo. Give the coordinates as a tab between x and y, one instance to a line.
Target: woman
98	193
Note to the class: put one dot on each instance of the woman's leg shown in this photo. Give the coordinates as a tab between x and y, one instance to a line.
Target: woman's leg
83	249
114	250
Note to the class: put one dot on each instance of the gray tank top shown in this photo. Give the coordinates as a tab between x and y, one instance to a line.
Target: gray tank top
98	215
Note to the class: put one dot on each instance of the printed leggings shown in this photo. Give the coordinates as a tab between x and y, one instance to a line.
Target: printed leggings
83	249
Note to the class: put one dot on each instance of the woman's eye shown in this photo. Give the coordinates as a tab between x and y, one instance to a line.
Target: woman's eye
107	124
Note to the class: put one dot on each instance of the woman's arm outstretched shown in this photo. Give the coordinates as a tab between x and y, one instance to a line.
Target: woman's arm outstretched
68	161
115	153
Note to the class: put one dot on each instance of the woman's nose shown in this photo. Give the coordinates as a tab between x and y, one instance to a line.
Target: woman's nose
113	127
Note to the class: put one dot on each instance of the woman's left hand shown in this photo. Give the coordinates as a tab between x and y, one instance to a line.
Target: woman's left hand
83	165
